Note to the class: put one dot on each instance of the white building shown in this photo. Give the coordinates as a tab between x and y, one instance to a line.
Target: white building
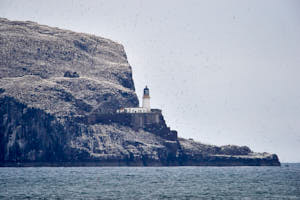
146	99
145	106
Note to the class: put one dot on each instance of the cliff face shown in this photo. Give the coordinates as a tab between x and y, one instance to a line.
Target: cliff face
50	78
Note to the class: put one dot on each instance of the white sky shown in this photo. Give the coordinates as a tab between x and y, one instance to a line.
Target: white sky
224	72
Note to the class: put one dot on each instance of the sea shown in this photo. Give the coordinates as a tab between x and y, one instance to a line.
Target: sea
151	182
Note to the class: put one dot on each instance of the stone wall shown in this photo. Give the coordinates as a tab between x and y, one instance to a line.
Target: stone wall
152	122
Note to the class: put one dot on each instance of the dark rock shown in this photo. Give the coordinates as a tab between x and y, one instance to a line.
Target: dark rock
70	74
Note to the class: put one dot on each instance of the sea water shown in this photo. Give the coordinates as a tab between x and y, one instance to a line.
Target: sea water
151	182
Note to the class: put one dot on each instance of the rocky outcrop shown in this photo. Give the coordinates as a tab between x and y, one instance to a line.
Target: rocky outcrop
51	79
195	153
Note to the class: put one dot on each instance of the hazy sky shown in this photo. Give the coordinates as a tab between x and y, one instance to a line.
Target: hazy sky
223	72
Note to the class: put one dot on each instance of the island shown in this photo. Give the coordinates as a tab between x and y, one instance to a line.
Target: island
68	99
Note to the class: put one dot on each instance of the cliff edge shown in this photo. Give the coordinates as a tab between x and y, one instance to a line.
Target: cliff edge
52	79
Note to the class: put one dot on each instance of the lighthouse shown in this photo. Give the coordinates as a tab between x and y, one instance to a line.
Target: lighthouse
145	106
146	99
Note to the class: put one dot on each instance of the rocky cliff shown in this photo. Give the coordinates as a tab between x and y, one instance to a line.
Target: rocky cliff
50	77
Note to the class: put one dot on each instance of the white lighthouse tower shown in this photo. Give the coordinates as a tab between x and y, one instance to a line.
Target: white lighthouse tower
145	107
146	99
